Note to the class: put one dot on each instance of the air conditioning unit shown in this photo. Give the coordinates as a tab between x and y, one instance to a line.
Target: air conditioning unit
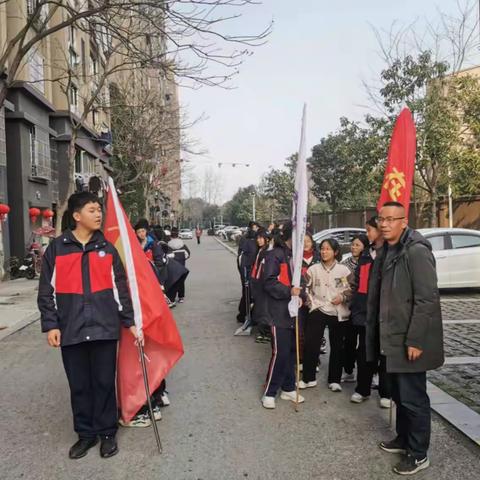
81	181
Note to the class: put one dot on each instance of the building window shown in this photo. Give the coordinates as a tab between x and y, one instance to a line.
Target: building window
36	68
95	117
94	64
82	52
40	153
73	96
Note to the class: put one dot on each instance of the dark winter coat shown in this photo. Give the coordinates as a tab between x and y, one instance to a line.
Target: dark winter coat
277	286
83	291
358	305
260	309
403	306
247	251
179	251
158	258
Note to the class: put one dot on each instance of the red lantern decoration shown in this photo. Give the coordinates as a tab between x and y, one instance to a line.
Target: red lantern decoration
33	213
47	214
4	210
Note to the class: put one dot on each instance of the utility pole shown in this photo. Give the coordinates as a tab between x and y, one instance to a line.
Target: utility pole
450	200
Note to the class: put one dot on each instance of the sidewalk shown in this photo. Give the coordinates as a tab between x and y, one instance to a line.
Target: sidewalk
18	305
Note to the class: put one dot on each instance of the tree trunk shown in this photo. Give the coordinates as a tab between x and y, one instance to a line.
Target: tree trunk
63	202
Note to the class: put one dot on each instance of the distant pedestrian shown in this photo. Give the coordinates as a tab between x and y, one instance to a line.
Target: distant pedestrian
328	293
404	319
181	253
198	234
277	286
83	299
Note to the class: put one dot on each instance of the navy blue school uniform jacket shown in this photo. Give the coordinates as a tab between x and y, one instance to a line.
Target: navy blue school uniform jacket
277	286
83	290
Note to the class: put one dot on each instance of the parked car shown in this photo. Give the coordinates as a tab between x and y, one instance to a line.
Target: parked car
185	234
227	231
457	253
218	228
343	235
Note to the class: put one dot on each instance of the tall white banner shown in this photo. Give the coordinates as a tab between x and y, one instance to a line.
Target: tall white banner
299	212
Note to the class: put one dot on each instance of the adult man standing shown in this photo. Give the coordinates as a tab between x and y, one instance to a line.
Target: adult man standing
404	323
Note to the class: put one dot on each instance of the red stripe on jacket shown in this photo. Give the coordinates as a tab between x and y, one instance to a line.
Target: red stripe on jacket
363	280
68	273
100	266
284	277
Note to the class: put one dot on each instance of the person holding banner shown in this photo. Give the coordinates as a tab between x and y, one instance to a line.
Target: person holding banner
404	319
278	291
81	281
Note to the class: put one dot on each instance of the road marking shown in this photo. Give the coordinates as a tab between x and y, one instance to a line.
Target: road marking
463	299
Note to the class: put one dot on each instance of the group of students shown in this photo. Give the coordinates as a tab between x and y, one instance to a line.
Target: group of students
382	310
333	294
84	300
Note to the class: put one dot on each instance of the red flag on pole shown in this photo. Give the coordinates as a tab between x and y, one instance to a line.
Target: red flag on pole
398	179
163	345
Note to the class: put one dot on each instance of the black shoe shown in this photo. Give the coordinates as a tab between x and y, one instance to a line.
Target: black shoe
108	447
81	448
396	445
409	465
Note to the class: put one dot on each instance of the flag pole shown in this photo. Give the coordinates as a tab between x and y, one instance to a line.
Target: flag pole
149	400
297	370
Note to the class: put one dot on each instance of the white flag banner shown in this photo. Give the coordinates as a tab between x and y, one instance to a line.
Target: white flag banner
299	213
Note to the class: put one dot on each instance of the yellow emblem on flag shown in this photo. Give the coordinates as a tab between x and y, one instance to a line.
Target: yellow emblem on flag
394	183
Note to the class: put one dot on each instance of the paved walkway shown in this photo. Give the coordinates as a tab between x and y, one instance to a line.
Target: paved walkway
215	428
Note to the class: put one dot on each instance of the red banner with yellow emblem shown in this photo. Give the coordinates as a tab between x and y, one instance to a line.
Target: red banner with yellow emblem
398	179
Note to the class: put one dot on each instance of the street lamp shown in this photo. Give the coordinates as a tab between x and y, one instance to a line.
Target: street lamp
253	206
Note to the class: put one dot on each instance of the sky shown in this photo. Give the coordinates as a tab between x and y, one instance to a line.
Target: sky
319	52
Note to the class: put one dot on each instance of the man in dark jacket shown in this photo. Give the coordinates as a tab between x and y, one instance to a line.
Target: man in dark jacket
83	298
180	253
404	322
247	251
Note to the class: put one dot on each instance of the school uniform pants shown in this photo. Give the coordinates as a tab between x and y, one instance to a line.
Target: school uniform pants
314	331
366	370
281	371
90	369
409	392
350	346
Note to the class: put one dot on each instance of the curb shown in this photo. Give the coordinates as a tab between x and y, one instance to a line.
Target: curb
457	414
230	249
20	325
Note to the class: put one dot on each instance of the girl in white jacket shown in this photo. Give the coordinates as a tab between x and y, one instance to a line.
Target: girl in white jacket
328	293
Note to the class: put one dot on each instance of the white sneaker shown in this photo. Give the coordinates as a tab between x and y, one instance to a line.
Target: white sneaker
165	400
335	387
157	414
268	402
348	378
292	396
357	398
385	403
303	385
139	421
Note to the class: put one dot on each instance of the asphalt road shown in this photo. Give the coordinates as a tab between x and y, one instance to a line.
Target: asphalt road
215	428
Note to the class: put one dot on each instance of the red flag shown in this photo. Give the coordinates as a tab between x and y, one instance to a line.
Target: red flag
163	345
398	179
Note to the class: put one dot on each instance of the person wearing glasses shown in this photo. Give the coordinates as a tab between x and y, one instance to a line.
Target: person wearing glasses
404	321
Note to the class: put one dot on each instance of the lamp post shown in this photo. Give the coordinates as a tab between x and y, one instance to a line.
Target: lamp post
253	207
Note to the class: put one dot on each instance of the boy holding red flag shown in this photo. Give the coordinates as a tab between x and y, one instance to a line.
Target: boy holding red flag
83	298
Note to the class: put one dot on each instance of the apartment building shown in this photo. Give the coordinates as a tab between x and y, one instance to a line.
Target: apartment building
38	118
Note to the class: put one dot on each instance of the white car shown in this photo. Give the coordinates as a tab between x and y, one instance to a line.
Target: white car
185	234
457	253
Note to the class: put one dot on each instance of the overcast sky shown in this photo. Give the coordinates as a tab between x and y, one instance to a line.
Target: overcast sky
318	53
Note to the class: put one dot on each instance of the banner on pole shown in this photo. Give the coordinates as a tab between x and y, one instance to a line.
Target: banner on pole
163	344
299	213
398	180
